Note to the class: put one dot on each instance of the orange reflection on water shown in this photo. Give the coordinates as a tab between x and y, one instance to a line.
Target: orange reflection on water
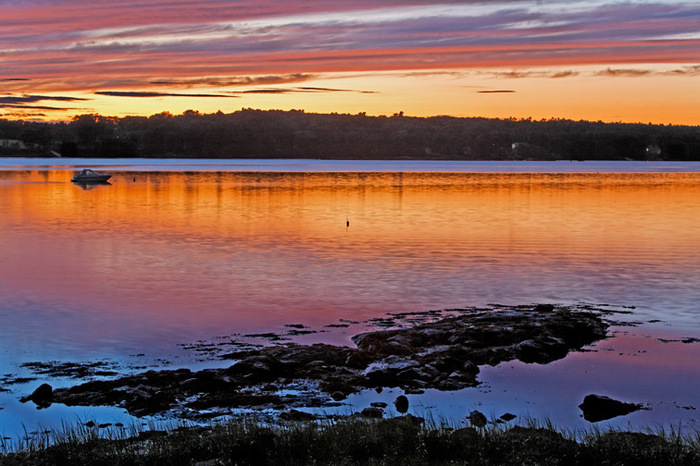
194	254
616	209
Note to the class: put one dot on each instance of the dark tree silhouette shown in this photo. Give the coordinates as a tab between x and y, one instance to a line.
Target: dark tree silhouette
250	133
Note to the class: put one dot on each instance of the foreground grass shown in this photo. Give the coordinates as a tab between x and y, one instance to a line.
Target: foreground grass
399	441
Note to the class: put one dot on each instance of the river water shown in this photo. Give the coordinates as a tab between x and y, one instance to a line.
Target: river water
174	256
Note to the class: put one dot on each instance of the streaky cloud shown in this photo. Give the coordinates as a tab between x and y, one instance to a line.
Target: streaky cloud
514	74
521	74
299	90
35	107
175	36
627	73
330	89
564	74
431	73
24	115
686	70
149	94
497	91
14	99
218	81
265	91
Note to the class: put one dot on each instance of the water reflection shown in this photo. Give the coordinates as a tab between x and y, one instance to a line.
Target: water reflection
87	185
157	258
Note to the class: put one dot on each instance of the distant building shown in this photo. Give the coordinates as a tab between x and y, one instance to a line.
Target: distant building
12	144
653	150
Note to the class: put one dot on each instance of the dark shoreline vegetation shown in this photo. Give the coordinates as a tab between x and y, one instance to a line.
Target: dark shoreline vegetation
403	440
434	351
250	133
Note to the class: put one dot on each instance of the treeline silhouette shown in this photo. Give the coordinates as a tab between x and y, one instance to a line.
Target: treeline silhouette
250	133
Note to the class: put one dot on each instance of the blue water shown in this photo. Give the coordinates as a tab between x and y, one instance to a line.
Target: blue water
309	165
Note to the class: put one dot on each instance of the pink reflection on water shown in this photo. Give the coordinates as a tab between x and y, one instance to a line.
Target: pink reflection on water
174	256
635	367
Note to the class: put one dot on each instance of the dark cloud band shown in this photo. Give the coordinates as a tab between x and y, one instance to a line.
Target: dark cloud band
156	94
21	99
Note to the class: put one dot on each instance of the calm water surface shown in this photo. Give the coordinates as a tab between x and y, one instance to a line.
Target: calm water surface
127	272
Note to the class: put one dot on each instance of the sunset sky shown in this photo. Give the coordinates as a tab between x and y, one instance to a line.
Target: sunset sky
631	61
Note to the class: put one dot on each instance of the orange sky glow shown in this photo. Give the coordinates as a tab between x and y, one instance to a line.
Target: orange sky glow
636	61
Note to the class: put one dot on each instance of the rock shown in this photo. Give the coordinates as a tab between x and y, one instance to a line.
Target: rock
338	396
395	363
413	391
71	369
599	408
42	396
543	350
387	342
544	308
401	404
337	387
477	419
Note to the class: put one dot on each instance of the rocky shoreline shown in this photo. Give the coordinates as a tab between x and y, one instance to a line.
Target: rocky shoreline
444	355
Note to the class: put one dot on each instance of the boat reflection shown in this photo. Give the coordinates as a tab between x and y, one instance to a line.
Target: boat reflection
88	185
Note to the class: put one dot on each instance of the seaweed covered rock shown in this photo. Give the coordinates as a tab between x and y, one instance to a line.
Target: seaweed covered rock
444	354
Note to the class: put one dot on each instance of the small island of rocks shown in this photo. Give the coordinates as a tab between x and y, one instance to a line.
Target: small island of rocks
444	354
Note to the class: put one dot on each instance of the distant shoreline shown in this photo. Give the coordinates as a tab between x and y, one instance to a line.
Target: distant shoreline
253	133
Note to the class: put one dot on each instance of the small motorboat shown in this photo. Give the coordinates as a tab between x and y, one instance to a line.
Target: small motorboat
87	175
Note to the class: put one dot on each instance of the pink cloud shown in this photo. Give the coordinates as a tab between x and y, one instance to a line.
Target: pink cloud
135	44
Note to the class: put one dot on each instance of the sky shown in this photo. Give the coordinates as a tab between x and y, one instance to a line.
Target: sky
607	60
